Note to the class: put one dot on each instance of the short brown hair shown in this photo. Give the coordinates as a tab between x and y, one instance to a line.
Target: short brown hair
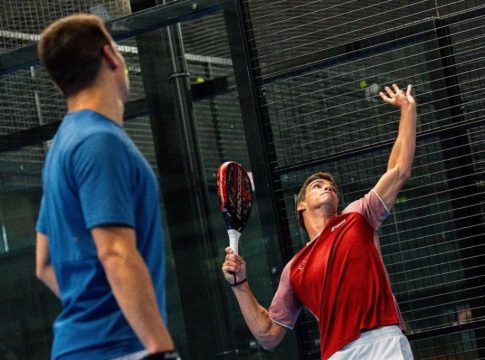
71	50
301	194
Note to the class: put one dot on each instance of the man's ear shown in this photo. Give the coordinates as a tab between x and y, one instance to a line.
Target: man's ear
301	206
110	56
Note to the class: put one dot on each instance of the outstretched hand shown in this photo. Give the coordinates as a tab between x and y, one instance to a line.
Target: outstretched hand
233	265
398	97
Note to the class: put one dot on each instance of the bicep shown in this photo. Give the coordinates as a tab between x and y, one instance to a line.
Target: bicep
113	241
388	186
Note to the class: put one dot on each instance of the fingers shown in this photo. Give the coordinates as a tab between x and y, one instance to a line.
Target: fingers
396	89
390	97
233	262
396	96
234	268
229	268
408	91
384	97
389	91
231	256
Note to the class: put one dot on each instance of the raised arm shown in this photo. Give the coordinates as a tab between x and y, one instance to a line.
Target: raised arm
268	333
402	154
132	286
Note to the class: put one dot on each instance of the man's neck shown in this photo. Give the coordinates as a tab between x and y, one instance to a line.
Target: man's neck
316	224
99	100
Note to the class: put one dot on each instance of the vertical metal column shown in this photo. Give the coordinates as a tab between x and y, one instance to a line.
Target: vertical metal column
259	141
258	144
183	188
457	155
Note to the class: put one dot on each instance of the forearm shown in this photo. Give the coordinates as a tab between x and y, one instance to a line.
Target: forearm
402	153
132	287
48	277
268	334
44	269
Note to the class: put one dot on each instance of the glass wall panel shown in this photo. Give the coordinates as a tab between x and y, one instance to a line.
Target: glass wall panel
31	103
318	68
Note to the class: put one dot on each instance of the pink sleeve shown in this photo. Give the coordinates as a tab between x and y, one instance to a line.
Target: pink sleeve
285	307
371	207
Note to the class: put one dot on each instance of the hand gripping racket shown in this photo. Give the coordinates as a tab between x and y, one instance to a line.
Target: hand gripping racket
236	197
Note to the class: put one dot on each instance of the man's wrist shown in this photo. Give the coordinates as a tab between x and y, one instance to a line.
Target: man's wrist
408	106
241	286
238	283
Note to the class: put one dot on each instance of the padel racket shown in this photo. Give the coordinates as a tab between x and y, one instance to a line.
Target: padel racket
235	196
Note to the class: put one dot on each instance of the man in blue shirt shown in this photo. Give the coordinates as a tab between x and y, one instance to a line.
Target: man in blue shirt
99	235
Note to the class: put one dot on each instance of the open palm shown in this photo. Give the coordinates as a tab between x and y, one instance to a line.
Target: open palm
397	97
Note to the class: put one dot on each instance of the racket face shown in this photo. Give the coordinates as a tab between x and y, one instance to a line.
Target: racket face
235	194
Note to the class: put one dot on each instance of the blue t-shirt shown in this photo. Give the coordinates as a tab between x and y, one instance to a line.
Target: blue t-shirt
94	175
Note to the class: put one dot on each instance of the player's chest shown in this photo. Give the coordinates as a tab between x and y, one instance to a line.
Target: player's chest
342	240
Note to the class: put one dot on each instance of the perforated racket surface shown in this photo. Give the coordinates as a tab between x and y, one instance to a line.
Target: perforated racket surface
235	197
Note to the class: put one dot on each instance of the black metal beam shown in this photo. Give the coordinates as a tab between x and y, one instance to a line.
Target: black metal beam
133	109
442	131
137	5
449	329
210	88
259	141
128	26
348	52
469	14
160	16
461	176
184	191
39	134
28	137
17	59
363	47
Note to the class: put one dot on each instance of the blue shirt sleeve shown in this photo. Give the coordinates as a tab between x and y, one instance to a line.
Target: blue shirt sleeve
105	174
41	225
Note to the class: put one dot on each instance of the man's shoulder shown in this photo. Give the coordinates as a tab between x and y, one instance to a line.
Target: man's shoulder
371	207
371	198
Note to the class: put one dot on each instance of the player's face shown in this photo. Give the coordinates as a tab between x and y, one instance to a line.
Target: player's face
321	192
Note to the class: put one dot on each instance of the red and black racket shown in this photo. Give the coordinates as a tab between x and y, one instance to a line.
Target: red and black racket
236	197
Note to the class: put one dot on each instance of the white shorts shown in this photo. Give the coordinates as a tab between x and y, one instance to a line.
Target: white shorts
133	356
385	343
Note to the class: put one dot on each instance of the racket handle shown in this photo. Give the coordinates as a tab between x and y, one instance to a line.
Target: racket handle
234	239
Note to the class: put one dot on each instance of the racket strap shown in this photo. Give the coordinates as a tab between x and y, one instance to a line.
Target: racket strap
239	282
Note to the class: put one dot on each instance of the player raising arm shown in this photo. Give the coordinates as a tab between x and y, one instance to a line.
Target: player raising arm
339	275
